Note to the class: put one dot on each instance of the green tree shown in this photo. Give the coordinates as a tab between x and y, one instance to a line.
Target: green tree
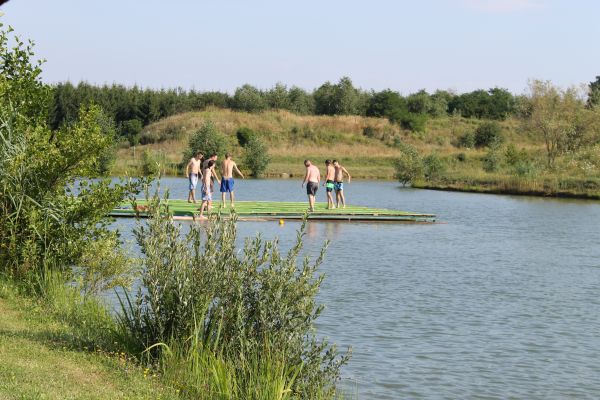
488	134
388	104
256	156
207	140
408	166
554	116
419	103
248	98
594	93
277	97
301	102
340	99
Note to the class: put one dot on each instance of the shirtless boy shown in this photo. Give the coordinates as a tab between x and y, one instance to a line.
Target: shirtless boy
329	183
312	179
227	169
206	188
338	183
213	157
192	171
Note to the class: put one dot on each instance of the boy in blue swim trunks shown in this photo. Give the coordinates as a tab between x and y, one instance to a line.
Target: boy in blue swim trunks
338	183
227	182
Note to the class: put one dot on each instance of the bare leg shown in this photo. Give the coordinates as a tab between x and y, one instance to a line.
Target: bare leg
311	202
343	199
231	198
223	200
202	209
337	198
329	200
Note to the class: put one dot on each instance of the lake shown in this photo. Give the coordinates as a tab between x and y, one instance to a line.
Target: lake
500	300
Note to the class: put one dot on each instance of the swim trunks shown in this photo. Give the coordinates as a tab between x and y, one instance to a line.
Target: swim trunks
329	185
226	185
311	188
338	186
193	178
206	194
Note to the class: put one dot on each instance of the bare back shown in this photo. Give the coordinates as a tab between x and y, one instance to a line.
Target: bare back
339	173
227	169
330	173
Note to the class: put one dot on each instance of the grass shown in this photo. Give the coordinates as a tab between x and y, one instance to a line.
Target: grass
44	357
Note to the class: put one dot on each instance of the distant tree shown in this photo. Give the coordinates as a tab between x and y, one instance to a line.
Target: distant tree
207	140
418	103
594	93
277	97
553	116
439	103
248	98
301	102
409	165
131	130
256	156
340	99
488	134
388	104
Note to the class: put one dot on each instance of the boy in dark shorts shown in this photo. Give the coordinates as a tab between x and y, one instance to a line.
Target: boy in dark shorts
312	179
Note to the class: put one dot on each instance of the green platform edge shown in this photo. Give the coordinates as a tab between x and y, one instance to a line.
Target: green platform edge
267	210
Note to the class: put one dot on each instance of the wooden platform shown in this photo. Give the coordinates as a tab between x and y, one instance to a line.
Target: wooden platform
265	210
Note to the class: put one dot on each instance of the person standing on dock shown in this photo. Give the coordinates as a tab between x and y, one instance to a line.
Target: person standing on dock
312	179
330	174
192	171
207	188
338	183
213	157
227	169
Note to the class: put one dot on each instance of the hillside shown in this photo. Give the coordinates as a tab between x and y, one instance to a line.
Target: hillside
366	146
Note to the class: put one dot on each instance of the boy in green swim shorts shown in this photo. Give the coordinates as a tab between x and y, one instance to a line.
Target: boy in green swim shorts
330	174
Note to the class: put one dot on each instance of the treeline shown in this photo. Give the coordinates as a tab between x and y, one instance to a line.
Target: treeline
132	107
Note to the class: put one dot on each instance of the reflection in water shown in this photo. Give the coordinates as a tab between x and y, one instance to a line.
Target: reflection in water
501	301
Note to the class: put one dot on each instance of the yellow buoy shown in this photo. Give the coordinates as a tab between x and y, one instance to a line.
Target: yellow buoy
281	222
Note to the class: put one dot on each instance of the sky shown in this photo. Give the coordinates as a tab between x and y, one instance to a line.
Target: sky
404	45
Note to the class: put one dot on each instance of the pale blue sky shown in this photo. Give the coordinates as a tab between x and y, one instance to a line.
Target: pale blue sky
404	45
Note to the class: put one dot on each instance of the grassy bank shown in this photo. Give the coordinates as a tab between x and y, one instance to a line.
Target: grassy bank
368	147
44	356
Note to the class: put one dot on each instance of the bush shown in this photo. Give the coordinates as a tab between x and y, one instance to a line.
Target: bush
492	159
371	132
256	156
433	167
487	134
200	289
462	157
207	140
131	130
151	165
467	140
525	168
244	135
408	166
413	122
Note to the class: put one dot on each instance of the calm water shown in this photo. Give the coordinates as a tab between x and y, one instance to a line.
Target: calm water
502	300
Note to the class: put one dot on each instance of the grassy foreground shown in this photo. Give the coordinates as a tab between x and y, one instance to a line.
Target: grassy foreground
45	358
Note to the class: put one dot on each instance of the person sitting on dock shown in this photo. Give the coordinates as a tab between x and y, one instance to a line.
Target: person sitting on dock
227	169
338	183
312	179
192	171
207	188
329	183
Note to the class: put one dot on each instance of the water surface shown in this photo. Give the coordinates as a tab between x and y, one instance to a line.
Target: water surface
499	301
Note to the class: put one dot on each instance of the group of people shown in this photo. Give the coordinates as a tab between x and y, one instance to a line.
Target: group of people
204	170
199	168
334	181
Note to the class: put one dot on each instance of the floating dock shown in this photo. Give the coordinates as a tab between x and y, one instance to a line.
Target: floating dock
267	210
